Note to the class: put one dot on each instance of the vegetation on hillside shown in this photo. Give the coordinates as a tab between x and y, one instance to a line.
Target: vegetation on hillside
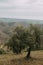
24	40
25	37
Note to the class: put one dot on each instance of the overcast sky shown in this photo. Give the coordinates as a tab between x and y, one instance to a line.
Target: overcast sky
31	9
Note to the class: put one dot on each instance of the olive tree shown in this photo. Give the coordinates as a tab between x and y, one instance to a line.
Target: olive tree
23	37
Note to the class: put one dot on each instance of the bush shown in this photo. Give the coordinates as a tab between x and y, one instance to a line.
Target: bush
2	51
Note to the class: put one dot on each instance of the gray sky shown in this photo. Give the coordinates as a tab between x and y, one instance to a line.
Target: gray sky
31	9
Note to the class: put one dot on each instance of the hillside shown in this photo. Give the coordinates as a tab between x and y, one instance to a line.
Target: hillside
6	30
7	25
12	59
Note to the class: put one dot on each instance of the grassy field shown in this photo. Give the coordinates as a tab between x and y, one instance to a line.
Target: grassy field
11	59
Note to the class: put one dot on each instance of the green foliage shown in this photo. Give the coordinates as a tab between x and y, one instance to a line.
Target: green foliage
36	36
24	37
2	51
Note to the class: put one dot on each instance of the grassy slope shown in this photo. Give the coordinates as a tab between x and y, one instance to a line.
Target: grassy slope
37	59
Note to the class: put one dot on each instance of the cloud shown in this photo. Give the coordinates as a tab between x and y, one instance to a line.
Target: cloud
21	8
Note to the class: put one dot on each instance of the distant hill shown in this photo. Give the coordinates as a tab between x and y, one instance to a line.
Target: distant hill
7	25
21	20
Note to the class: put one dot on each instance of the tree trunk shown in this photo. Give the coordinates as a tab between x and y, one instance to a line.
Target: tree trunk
28	55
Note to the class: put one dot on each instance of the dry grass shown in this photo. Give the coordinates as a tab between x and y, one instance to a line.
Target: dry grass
11	59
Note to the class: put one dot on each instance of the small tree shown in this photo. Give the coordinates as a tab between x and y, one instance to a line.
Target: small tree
23	38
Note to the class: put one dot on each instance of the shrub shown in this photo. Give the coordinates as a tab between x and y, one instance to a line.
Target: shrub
2	51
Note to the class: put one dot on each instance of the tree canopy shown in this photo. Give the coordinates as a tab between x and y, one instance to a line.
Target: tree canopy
24	37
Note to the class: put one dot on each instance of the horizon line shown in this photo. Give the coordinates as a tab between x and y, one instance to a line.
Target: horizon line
21	18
